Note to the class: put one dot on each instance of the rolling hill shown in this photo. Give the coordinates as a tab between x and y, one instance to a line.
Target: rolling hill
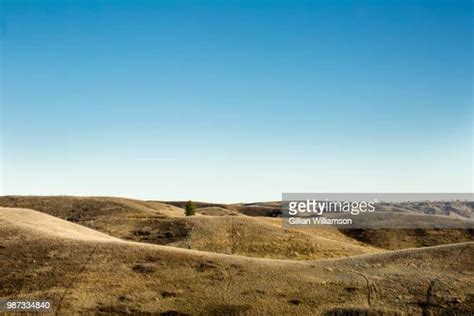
84	271
164	224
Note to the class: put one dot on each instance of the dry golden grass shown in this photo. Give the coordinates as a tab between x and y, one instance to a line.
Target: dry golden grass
83	271
159	223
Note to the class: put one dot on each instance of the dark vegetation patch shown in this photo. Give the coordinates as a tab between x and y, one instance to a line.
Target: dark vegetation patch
163	231
166	294
120	310
392	239
173	313
354	311
144	268
256	210
226	309
125	298
351	289
294	302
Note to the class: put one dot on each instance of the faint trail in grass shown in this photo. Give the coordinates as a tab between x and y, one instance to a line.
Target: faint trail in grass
74	280
426	306
368	285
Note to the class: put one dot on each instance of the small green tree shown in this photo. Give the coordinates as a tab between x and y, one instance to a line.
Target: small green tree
190	209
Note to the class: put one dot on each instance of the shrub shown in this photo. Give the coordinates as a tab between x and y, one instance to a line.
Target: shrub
190	209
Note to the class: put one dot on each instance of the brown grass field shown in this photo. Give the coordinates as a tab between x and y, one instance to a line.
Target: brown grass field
100	255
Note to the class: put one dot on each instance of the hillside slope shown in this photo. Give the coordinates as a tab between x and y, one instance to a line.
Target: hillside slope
85	271
221	228
88	272
159	223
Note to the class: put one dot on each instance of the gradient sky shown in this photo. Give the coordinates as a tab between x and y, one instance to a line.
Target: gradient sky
235	100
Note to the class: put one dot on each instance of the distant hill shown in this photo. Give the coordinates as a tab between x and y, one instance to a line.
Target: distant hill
228	228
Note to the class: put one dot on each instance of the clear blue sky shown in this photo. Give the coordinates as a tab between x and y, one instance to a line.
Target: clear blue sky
236	100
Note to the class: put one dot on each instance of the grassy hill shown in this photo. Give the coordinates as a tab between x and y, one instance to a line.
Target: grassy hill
224	229
164	224
84	271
